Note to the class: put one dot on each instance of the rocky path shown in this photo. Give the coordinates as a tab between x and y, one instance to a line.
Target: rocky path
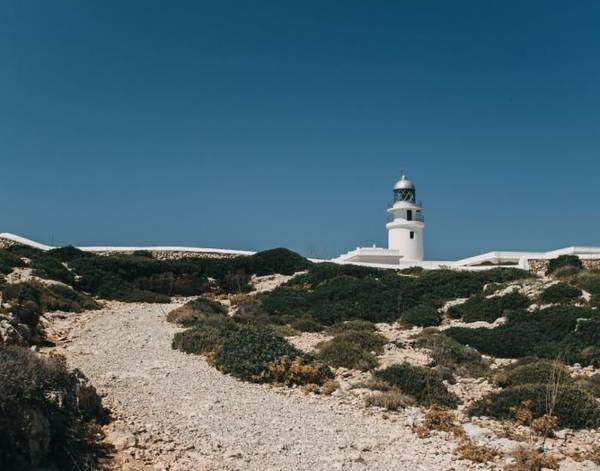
175	412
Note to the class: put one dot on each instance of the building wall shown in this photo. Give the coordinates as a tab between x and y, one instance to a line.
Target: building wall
541	265
399	239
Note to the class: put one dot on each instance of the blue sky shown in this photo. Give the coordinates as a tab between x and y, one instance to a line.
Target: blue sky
253	125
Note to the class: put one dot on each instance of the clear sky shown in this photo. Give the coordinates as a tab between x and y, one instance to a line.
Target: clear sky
252	125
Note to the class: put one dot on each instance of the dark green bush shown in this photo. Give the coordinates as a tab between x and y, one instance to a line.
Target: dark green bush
8	261
564	261
142	253
347	354
50	268
548	333
197	340
574	407
68	253
560	293
42	422
246	352
534	372
23	251
422	316
272	261
448	353
286	300
480	308
589	281
351	325
371	341
307	325
424	384
43	298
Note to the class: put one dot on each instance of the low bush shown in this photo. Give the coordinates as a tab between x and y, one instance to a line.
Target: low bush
480	308
370	341
23	251
268	262
391	400
295	371
8	261
306	325
560	331
422	316
42	298
424	384
44	422
564	261
534	372
346	354
447	352
574	407
68	253
560	293
246	352
358	325
49	268
589	281
197	309
199	340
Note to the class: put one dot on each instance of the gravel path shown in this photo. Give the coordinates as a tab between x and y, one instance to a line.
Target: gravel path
183	414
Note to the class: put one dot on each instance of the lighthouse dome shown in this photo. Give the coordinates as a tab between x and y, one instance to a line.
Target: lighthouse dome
404	184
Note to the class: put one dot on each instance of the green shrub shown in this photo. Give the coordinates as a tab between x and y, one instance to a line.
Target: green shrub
560	293
564	261
142	253
307	325
371	341
505	341
589	281
8	261
23	251
43	298
359	325
197	340
246	352
424	384
286	300
422	316
44	423
448	353
49	268
68	253
347	354
534	372
480	308
574	407
268	262
194	310
548	333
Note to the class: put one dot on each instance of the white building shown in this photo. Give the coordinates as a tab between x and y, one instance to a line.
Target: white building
405	242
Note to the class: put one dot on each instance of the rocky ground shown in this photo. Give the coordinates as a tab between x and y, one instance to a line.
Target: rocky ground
174	411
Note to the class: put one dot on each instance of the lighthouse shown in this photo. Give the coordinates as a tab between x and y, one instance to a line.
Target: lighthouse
405	229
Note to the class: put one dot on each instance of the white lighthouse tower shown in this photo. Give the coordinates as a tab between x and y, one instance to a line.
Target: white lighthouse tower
405	229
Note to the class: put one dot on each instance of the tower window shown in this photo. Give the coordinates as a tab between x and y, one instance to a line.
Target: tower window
412	234
409	215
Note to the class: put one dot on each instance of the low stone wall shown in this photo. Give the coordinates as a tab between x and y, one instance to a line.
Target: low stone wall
541	265
173	254
157	254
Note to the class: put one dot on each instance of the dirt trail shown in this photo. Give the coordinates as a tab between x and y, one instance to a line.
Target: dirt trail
175	412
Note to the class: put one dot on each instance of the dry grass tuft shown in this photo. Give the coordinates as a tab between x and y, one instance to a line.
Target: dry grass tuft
545	425
440	419
467	450
531	460
329	387
391	400
288	371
